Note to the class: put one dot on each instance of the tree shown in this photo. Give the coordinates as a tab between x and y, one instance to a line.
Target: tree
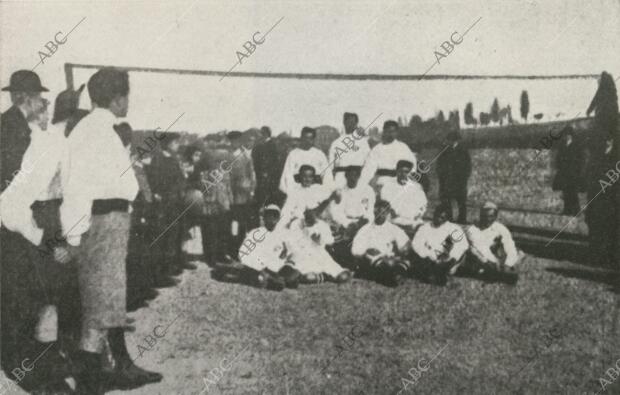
415	120
525	105
495	111
440	117
469	114
484	118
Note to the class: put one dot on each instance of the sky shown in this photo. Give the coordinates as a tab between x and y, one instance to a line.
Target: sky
525	37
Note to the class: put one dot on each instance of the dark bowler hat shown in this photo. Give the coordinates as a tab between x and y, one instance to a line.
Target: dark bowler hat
233	135
25	81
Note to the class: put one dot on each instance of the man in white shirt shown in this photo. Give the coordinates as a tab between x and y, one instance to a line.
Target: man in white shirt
381	163
350	149
493	253
381	248
438	246
406	197
95	219
305	194
263	257
351	208
305	241
306	154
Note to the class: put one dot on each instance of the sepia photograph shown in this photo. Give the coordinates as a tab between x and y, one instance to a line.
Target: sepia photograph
287	197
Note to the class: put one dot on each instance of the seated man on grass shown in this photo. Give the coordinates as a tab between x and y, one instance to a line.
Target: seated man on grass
306	239
306	192
381	247
438	246
493	254
263	257
351	208
406	197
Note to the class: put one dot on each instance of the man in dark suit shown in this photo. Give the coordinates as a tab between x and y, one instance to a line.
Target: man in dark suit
570	166
23	292
25	88
454	169
268	168
167	184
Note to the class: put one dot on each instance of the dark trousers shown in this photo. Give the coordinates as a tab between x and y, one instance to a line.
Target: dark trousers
245	217
215	231
430	271
460	197
571	201
601	219
167	240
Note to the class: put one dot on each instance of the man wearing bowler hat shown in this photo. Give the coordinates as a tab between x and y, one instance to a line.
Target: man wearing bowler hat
21	291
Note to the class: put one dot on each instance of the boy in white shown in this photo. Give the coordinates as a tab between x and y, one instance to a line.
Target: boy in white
382	160
306	241
349	149
406	197
493	251
438	246
263	257
380	247
305	194
306	154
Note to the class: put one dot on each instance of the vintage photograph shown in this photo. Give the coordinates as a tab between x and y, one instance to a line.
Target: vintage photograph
318	197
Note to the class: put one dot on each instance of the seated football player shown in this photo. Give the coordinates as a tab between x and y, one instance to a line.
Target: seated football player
381	248
351	208
306	239
263	257
306	193
406	197
492	254
437	247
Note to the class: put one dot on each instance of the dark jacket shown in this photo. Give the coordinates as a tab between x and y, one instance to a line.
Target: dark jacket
268	166
453	170
14	140
166	177
570	167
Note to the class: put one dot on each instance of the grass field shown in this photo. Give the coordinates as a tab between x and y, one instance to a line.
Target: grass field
550	334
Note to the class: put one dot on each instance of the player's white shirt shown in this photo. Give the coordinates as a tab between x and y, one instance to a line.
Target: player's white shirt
301	198
386	156
407	200
380	237
307	255
348	150
355	203
267	250
298	157
430	240
482	240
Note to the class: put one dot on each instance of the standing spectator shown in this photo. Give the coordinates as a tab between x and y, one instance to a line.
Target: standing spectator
602	210
350	149
306	154
454	169
604	150
570	165
268	168
217	199
18	305
95	217
243	184
192	240
381	163
167	183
